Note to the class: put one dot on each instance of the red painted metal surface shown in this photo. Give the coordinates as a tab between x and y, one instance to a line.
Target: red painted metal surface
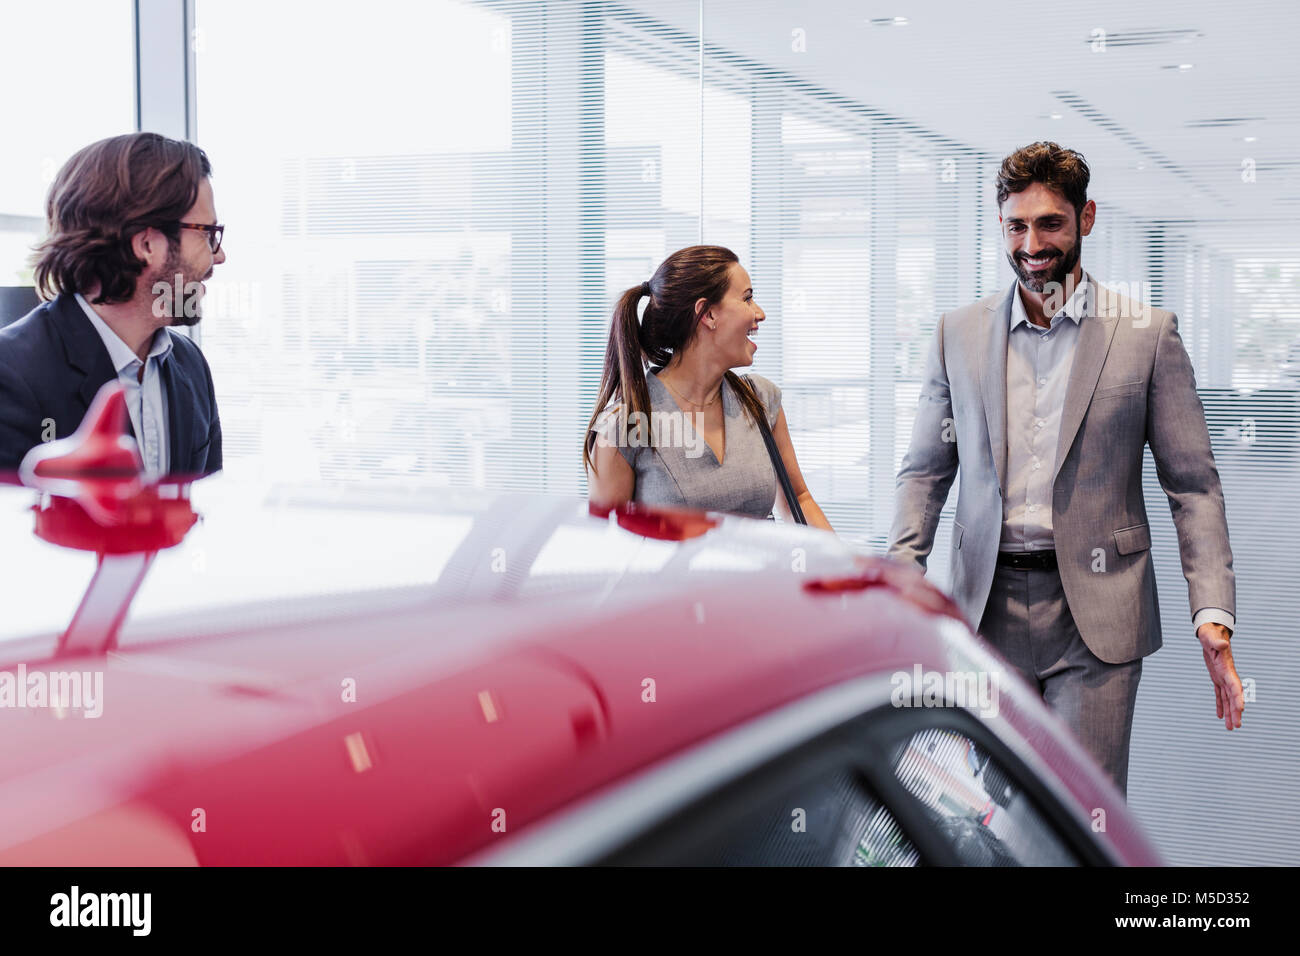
909	583
663	524
410	726
145	521
99	448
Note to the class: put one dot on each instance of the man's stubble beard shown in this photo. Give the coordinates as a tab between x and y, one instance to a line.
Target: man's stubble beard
167	274
1057	275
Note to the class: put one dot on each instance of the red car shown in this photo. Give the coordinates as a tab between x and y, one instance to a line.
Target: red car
219	673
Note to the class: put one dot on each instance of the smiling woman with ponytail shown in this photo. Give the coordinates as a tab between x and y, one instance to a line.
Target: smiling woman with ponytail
689	433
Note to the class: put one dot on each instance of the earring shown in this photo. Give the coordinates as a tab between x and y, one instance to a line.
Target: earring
714	326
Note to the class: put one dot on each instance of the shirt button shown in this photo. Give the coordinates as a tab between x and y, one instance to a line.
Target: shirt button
1039	423
1042	381
1033	507
1037	464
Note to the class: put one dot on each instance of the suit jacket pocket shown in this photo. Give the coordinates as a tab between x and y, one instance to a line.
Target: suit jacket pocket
958	532
1132	540
1116	391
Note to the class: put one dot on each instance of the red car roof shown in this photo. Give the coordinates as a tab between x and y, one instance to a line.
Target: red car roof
323	675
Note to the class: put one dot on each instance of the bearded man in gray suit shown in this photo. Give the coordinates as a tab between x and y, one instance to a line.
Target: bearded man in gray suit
1045	395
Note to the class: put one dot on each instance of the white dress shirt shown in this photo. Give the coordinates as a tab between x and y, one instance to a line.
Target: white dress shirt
146	400
1038	370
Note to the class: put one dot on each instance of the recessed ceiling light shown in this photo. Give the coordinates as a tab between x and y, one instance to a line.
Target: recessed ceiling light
1141	166
888	21
1053	115
1184	67
1248	139
900	21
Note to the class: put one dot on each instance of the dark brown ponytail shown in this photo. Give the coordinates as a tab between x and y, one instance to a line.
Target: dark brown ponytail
668	326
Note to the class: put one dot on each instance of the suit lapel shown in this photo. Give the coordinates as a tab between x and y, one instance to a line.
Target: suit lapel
993	381
83	349
1096	331
181	403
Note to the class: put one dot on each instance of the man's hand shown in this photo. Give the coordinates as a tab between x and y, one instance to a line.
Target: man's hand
1229	702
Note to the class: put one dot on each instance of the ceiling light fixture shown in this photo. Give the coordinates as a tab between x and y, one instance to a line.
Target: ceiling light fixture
1145	37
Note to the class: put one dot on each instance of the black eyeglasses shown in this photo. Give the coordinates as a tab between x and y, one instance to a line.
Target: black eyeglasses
214	233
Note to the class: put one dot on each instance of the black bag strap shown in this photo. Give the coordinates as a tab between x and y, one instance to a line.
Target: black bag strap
775	454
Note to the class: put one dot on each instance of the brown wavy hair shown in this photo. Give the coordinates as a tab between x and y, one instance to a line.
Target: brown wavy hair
1064	170
104	195
669	325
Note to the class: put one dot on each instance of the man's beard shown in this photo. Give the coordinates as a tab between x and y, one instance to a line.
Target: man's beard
1055	276
167	274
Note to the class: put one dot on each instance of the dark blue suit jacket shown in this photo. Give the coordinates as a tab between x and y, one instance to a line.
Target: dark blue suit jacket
53	363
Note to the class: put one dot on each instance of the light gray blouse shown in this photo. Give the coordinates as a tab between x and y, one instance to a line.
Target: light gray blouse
681	470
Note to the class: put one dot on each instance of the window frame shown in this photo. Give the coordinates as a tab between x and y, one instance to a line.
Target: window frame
598	828
700	823
891	727
866	756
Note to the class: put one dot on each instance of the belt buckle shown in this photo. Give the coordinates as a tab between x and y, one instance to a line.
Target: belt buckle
1027	560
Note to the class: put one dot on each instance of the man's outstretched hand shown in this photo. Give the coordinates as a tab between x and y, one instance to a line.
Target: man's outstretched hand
1229	701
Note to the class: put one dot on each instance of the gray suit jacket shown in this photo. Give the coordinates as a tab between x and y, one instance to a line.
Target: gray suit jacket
1131	384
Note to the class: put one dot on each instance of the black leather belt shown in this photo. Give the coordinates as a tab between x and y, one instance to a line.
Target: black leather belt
1028	560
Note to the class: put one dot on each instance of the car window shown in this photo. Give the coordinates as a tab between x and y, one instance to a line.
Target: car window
828	820
810	807
887	788
973	804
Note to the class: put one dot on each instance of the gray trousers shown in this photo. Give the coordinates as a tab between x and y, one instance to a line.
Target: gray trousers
1028	622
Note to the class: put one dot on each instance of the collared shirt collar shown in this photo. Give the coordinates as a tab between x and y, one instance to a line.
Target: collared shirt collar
1075	307
118	351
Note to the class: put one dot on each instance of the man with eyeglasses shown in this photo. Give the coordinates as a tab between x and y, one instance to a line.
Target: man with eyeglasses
132	235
